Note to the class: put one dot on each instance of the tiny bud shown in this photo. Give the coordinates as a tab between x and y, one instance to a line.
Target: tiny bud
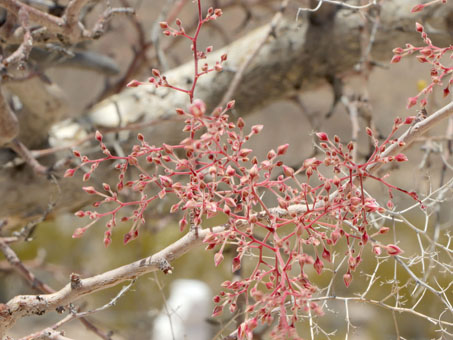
390	204
163	24
446	91
322	136
393	250
89	190
127	238
401	157
288	171
140	137
397	50
257	129
326	255
134	83
217	311
98	136
347	278
180	111
198	108
417	8
271	154
411	102
240	124
369	132
218	257
318	265
281	150
230	104
223	57
106	186
253	172
419	27
69	173
409	120
377	250
230	170
80	213
395	59
236	265
78	232
156	73
178	22
107	238
182	224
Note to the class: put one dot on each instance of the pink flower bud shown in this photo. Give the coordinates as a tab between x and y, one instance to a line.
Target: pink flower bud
163	24
217	311
134	83
411	102
281	150
182	224
409	120
377	250
253	172
395	59
326	255
322	136
79	232
155	72
318	265
69	173
257	129
401	157
98	136
107	238
80	213
393	249
417	8
288	171
419	27
198	108
236	264
240	124
89	190
347	278
218	257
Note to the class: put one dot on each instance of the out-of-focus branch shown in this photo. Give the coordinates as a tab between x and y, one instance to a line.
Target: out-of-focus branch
24	305
9	126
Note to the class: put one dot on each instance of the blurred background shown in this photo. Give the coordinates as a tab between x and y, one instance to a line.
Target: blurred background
380	92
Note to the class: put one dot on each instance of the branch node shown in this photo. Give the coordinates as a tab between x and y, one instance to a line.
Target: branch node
76	282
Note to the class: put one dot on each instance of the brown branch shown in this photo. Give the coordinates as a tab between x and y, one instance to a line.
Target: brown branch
24	305
22	53
9	125
72	13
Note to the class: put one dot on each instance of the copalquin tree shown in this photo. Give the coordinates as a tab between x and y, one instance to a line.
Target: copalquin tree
301	231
